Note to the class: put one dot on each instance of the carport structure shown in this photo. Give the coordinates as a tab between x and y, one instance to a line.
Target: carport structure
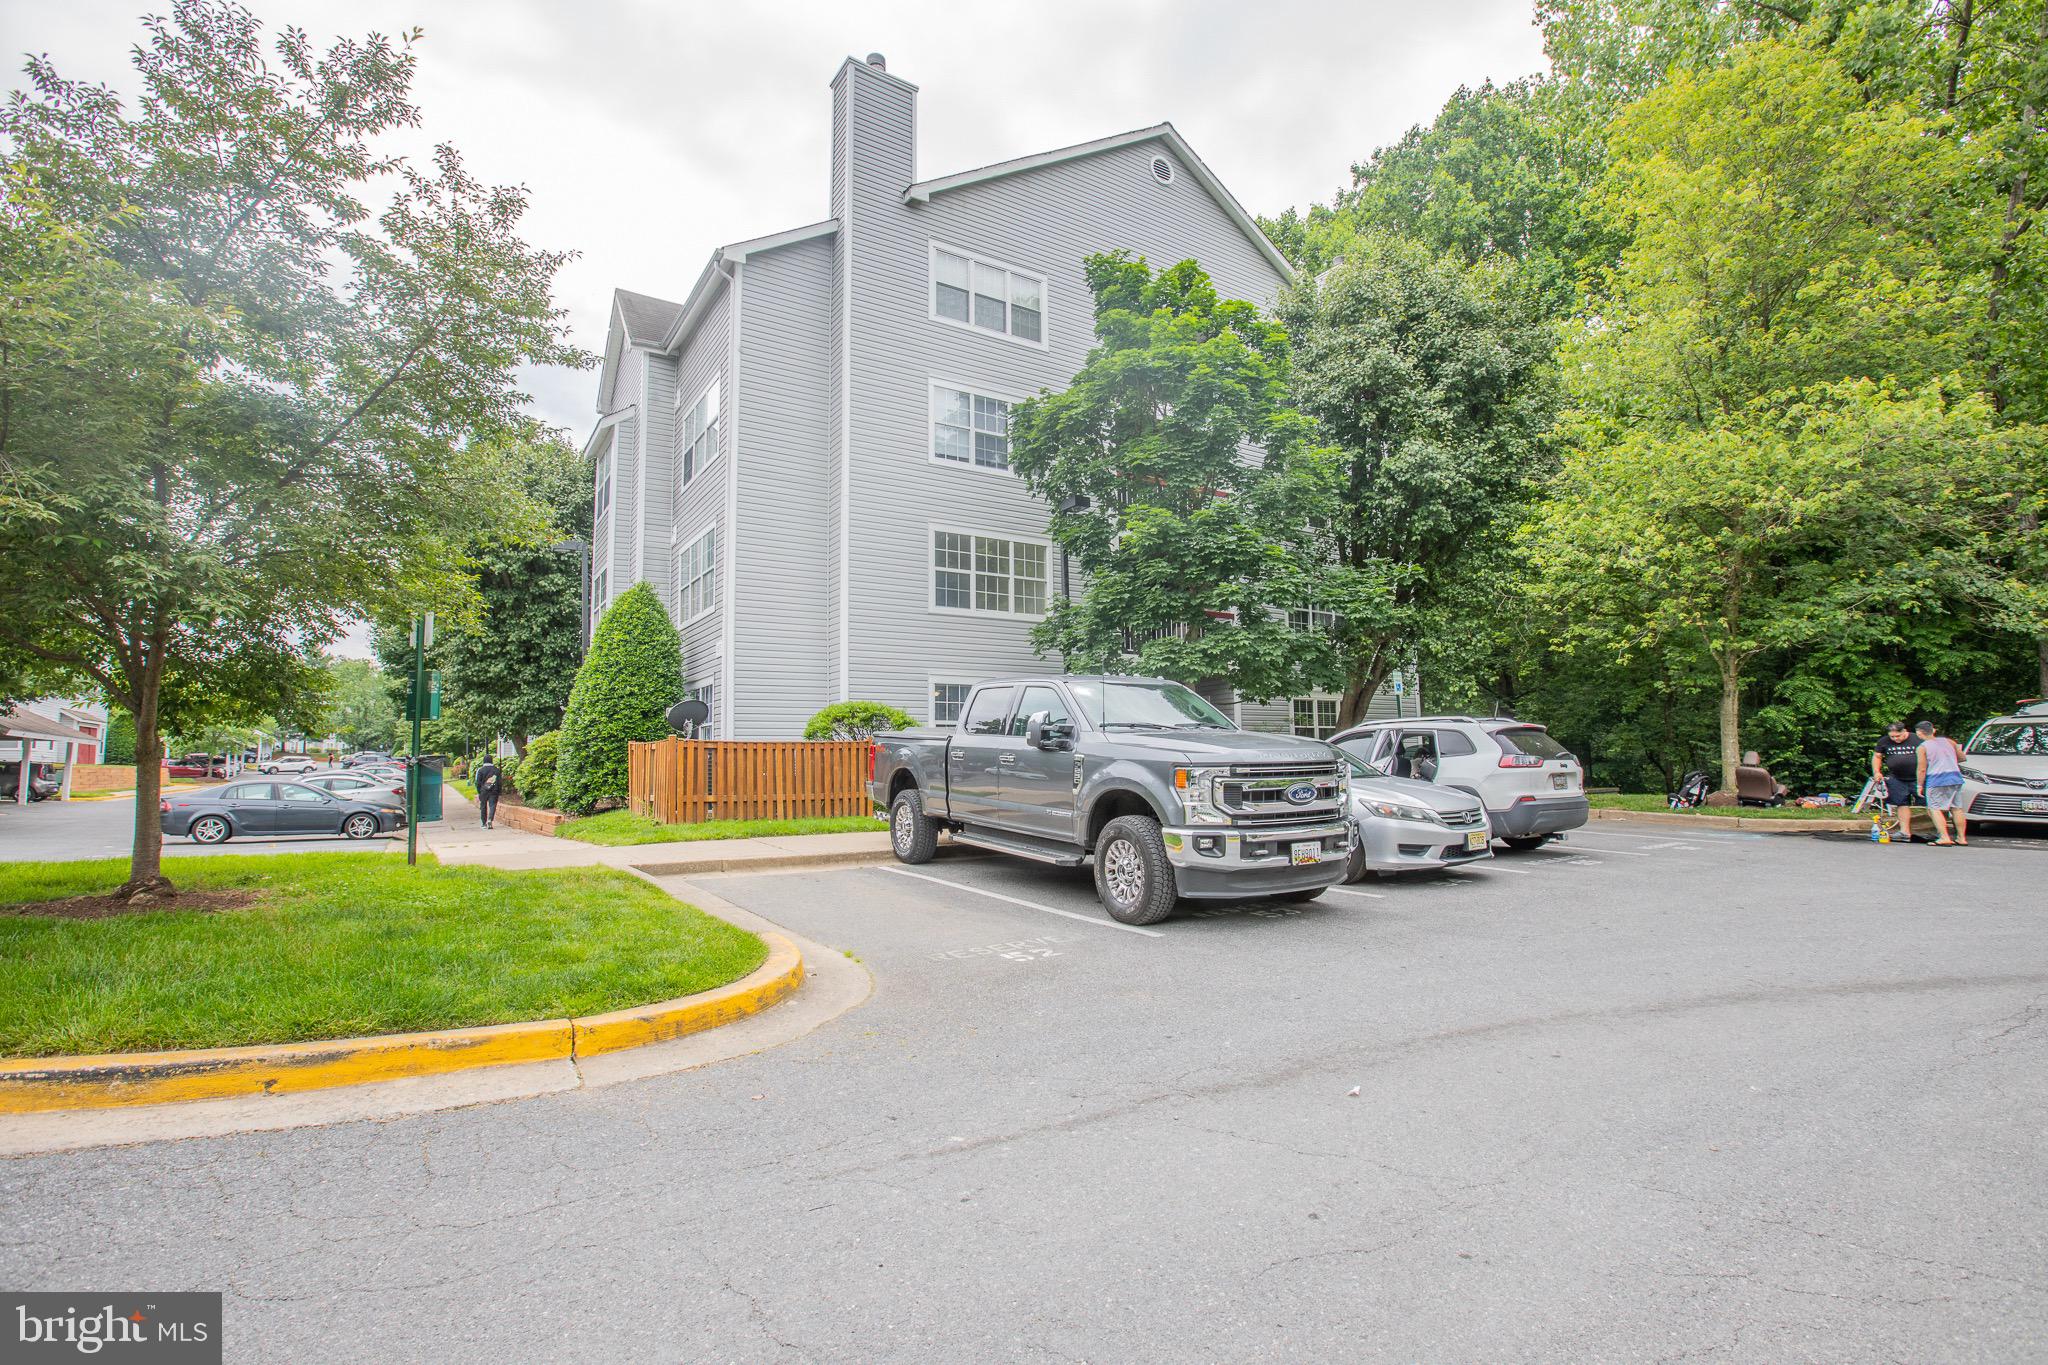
24	728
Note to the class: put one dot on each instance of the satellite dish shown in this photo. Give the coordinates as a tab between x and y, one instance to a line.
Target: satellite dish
686	716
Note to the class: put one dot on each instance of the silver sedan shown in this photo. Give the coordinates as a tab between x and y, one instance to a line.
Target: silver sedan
1407	826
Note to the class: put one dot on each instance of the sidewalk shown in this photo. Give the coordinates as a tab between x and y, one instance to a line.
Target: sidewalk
459	838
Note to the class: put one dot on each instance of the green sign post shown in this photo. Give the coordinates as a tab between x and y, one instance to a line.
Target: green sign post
422	703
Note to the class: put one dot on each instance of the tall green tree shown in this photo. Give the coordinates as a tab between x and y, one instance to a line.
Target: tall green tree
360	710
1184	490
262	394
633	675
1433	381
511	670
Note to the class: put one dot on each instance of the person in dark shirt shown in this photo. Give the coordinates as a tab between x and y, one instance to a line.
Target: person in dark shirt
1896	763
487	782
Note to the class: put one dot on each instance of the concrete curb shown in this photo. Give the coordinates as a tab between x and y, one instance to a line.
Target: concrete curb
1746	823
112	1080
683	867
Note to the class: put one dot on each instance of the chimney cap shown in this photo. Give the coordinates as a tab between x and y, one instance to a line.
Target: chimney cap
877	61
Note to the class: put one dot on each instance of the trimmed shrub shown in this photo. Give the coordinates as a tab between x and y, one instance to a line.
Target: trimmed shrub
633	674
857	720
534	778
120	745
508	770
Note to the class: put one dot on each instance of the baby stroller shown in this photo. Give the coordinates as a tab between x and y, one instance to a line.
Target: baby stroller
1692	792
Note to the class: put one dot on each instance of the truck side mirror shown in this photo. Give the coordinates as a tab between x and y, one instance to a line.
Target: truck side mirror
1041	733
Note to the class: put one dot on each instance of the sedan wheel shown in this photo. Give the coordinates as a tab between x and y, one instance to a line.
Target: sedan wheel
210	829
361	825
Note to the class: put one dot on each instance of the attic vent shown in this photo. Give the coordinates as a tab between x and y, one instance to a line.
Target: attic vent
1162	170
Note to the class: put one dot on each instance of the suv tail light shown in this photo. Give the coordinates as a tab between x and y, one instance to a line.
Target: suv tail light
1520	761
163	806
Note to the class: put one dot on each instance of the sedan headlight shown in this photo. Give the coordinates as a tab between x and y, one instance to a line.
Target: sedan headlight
1401	810
1197	789
1976	775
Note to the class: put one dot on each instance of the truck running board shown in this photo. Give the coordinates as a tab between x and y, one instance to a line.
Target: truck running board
1021	846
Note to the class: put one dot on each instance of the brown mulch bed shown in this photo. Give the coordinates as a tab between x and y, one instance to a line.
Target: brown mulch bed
106	907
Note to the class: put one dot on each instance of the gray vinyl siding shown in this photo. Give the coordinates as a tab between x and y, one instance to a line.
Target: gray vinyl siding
704	358
658	464
620	559
1044	221
788	413
1277	716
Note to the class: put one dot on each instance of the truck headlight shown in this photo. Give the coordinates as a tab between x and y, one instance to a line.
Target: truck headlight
1197	790
1401	810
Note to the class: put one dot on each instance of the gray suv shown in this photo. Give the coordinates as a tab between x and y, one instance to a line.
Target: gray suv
1532	787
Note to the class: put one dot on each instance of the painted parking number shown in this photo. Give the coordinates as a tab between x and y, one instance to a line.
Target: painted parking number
1016	950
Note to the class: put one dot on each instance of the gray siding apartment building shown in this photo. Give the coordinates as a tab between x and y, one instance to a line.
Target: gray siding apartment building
808	456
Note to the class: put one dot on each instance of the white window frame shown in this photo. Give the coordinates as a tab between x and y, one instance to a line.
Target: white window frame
974	258
1317	701
931	572
973	391
696	691
931	700
707	575
602	496
1318	620
714	428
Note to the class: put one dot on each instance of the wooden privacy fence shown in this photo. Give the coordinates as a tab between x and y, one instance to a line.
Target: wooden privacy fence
685	781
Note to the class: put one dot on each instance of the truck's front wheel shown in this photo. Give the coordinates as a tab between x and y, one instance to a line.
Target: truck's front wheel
1132	875
913	837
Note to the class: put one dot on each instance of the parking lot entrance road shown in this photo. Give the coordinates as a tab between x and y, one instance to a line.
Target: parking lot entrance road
73	830
1640	1097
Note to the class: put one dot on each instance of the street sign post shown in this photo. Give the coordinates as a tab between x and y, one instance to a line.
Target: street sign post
417	703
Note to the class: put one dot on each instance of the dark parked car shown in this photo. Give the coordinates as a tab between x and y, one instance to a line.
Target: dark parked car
43	785
263	809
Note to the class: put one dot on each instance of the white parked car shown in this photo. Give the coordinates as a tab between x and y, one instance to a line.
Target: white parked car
1532	787
289	763
1401	825
2005	767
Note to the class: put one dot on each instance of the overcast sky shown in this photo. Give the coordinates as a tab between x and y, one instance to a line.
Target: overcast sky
649	133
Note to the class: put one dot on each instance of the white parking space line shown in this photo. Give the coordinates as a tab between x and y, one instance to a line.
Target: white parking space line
1625	853
1514	871
1347	891
1028	905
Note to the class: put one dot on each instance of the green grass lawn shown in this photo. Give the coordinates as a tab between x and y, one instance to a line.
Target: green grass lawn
1629	801
616	828
339	945
463	785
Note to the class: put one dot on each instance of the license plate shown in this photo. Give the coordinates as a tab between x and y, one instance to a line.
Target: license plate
1305	853
2034	807
1476	841
1558	780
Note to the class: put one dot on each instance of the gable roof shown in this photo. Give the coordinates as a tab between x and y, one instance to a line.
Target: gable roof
1159	132
646	317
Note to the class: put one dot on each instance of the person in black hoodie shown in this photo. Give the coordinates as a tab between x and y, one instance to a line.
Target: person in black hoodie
487	781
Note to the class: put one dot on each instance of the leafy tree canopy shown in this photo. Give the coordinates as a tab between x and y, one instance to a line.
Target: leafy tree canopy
237	402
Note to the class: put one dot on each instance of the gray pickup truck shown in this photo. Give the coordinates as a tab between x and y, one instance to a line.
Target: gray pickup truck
1164	794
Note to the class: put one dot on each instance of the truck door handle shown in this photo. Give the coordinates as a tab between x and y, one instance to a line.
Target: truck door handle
957	755
1007	758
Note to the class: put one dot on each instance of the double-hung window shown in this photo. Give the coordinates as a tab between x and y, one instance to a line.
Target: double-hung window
706	691
987	295
991	574
697	576
970	428
604	484
1312	619
697	437
1315	717
947	699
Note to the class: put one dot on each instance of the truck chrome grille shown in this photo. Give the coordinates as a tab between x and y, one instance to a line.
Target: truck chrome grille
1257	794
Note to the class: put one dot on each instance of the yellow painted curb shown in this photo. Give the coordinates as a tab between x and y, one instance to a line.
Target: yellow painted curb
774	979
116	1079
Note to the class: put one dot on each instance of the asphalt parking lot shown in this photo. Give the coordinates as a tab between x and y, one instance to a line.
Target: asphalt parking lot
1642	1096
67	830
